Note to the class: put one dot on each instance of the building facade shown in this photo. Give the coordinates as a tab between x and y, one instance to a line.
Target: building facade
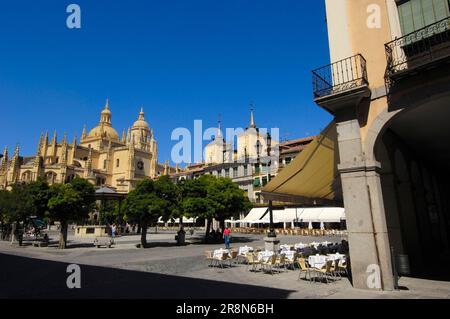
101	157
251	165
388	88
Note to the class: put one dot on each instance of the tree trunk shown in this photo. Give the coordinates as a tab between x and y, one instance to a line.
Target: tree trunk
63	235
138	228
143	235
181	223
222	225
208	226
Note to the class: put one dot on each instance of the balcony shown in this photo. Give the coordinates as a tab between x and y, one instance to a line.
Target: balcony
341	84
421	49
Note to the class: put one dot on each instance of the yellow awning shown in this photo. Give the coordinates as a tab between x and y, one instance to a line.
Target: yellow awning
312	177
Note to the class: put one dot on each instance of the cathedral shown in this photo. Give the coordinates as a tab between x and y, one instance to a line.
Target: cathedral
101	157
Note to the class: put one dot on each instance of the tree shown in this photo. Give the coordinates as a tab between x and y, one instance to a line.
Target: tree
70	202
149	201
229	200
209	197
195	201
39	191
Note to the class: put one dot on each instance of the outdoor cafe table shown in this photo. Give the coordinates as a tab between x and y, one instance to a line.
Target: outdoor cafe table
289	255
264	255
336	256
300	246
218	253
285	247
317	261
244	250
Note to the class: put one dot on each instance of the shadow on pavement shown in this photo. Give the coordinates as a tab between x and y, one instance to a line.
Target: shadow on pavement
22	277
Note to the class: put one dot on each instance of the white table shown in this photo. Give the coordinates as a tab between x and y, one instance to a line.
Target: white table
289	255
244	250
300	246
265	255
317	261
218	253
336	256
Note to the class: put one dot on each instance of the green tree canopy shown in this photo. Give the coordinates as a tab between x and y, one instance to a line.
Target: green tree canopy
70	202
149	201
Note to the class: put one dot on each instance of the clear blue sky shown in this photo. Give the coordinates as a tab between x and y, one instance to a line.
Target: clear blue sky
181	59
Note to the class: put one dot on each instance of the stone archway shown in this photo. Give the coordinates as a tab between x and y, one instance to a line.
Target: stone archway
411	148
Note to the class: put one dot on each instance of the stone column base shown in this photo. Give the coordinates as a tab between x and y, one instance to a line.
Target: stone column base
272	243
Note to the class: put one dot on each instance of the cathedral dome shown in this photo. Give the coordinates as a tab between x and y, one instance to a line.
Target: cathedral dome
141	123
104	128
105	131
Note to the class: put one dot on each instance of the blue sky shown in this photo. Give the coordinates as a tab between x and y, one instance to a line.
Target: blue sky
180	59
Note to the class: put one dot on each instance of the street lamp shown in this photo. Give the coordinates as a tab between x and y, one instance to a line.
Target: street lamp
271	233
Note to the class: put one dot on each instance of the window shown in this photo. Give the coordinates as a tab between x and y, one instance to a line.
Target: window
117	162
264	181
245	170
227	172
235	172
257	169
417	14
257	182
104	164
288	160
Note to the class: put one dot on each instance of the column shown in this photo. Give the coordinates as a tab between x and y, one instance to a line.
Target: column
366	221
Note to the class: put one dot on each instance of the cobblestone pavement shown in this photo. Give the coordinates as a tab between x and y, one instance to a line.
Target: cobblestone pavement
168	263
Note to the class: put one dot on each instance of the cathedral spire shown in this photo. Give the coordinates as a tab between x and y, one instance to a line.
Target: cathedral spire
123	136
219	128
16	152
252	117
54	138
83	134
4	165
46	137
74	141
141	114
64	139
38	152
105	115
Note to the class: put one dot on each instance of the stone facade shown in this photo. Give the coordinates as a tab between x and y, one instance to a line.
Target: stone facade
100	157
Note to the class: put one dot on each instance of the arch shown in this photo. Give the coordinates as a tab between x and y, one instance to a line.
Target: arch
77	164
27	176
51	177
383	120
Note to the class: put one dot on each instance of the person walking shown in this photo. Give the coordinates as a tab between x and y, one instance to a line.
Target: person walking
226	237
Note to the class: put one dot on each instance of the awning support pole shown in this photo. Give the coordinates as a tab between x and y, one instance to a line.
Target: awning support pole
271	233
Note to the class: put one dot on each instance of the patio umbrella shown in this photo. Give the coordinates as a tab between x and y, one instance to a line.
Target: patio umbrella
310	225
322	226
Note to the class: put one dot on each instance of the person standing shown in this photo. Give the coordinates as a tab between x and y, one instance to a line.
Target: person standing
113	231
226	237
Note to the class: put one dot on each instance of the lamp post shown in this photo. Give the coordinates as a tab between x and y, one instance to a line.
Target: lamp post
271	233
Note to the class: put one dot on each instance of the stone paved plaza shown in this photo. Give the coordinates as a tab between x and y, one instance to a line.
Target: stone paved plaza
167	271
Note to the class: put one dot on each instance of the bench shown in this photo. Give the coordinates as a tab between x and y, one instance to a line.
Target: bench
103	241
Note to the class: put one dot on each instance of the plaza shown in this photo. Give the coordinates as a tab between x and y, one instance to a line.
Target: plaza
165	270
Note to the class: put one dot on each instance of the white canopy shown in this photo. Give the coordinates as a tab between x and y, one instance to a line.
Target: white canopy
277	217
322	214
254	214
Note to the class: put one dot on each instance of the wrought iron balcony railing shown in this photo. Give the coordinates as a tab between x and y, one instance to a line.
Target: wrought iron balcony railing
418	48
340	76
